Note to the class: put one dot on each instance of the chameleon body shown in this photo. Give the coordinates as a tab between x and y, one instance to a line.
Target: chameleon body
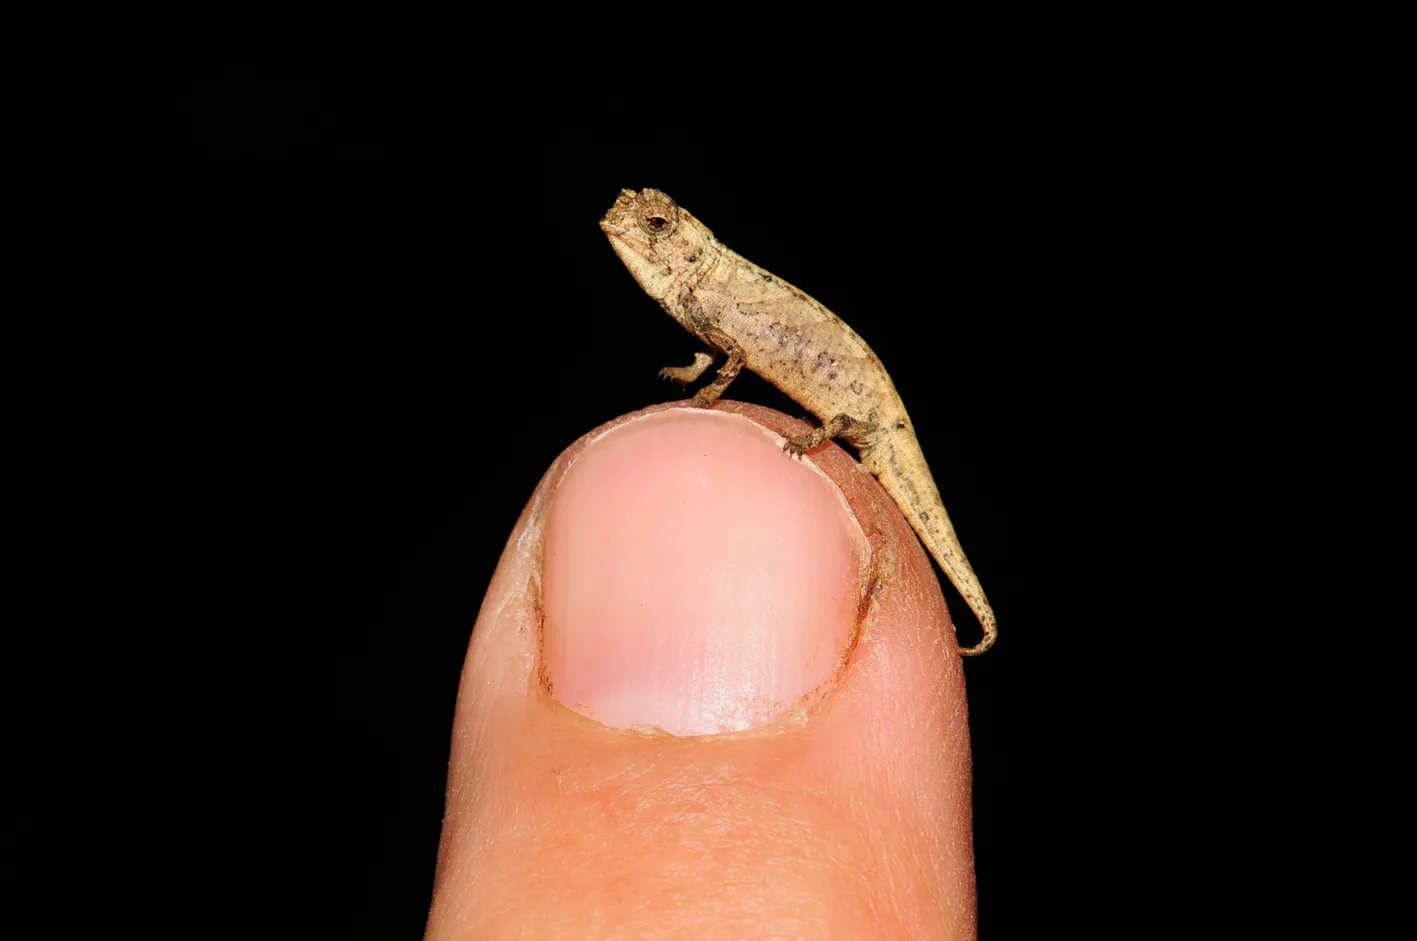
759	321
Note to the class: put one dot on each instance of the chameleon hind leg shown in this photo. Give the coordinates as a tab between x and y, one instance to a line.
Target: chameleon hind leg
853	430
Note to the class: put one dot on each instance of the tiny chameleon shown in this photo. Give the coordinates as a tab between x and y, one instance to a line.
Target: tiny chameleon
758	320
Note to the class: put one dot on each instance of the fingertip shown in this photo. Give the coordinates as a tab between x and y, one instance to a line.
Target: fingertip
666	574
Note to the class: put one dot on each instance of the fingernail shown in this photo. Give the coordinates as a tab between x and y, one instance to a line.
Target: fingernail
696	578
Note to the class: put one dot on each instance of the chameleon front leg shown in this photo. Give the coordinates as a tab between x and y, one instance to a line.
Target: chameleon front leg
855	430
687	374
726	373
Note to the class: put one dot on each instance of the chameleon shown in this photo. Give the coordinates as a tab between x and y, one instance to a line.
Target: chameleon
759	321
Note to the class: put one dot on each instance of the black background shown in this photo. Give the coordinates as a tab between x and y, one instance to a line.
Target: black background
337	315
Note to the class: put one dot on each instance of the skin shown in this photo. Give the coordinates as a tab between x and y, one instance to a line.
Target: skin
759	321
849	818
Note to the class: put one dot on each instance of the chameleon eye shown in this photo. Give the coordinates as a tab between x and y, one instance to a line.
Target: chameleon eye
657	214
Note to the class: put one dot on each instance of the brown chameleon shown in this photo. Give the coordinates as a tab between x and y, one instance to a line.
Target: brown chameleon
760	321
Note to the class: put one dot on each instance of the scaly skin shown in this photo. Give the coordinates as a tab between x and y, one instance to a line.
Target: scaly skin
782	334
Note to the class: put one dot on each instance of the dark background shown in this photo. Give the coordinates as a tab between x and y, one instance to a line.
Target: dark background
335	318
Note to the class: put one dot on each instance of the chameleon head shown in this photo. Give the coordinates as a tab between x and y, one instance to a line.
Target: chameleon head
659	242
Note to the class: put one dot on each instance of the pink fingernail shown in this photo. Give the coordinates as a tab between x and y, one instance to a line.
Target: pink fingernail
696	579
